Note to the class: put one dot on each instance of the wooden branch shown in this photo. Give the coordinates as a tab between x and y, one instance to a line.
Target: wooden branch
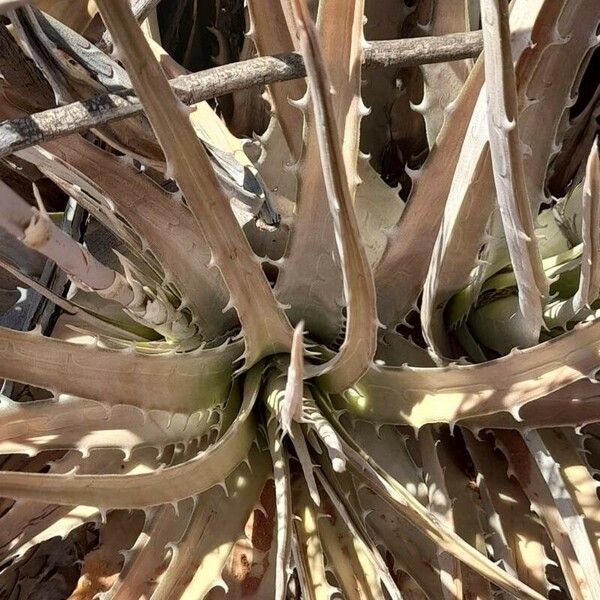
411	52
47	125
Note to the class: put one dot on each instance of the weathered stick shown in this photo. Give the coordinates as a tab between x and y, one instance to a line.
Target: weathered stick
50	124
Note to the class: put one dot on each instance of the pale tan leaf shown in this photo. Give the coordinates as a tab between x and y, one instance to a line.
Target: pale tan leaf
266	330
338	160
522	541
205	470
281	475
163	380
509	175
218	520
418	396
536	472
589	282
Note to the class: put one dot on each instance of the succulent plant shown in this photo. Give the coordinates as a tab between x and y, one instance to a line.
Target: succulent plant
285	381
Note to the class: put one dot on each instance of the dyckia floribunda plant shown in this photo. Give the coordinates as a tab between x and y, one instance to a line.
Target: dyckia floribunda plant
285	382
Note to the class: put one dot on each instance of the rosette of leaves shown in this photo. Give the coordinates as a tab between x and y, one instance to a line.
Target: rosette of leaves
232	402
